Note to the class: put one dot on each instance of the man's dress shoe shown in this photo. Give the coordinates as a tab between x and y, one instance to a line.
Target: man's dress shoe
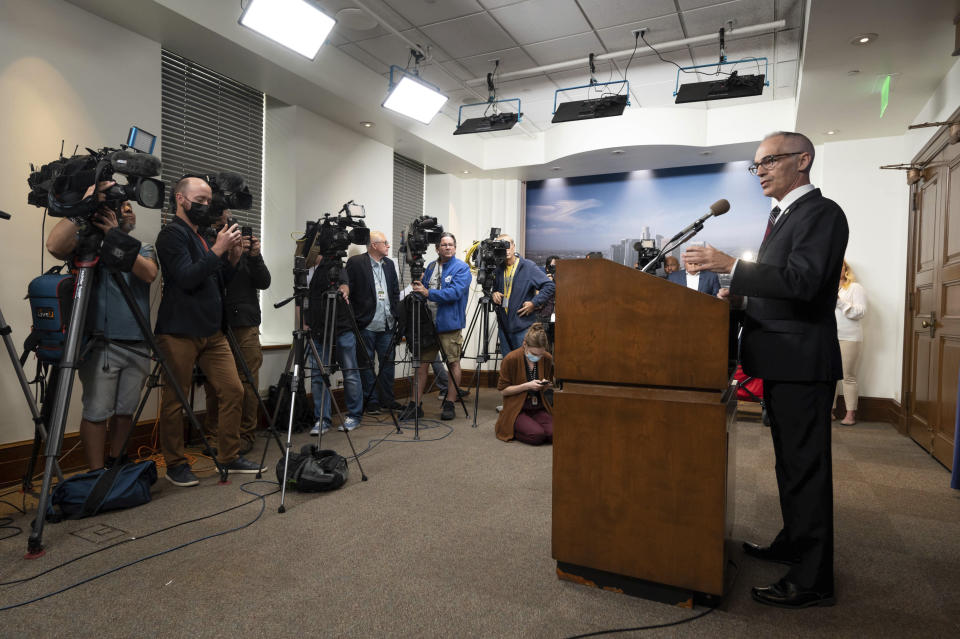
786	594
769	553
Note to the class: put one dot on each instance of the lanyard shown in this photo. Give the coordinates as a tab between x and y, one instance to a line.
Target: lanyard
508	280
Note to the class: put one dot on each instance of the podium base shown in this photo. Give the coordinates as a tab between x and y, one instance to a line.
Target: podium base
634	587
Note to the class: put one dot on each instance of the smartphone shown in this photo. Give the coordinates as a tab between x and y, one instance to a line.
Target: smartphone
247	232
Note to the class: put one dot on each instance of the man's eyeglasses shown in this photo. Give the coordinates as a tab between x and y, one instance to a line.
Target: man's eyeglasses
770	161
384	242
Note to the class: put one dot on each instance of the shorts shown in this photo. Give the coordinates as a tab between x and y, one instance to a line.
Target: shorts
452	342
116	390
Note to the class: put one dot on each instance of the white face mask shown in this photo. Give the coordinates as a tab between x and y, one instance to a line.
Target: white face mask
531	357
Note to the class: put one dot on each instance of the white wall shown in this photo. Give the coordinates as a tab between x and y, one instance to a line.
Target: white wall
875	202
60	80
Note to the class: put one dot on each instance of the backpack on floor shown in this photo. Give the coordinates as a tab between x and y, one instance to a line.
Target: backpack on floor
103	490
313	470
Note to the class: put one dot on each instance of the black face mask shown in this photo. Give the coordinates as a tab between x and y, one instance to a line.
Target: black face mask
199	214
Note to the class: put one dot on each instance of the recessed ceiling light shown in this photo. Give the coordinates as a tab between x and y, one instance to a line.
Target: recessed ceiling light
367	125
831	132
465	172
555	168
356	19
617	152
853	72
705	153
864	39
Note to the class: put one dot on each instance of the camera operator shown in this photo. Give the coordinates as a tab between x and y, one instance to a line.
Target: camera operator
243	316
521	288
446	286
344	350
112	372
189	327
375	299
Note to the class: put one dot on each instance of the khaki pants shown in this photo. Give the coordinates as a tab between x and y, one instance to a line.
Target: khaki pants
248	339
850	355
216	361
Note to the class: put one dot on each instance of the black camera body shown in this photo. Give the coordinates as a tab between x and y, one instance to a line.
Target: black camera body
331	236
422	233
61	185
646	250
490	256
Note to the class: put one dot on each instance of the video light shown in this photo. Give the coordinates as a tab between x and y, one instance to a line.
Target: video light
294	24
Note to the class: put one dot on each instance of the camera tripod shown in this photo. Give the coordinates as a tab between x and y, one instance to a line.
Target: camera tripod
304	343
86	259
485	306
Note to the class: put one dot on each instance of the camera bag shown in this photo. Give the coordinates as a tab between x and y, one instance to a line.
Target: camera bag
123	486
313	470
51	300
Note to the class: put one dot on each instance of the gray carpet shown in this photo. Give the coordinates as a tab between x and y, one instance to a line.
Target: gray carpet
451	538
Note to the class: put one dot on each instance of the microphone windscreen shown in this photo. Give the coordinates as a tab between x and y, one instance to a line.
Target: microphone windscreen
719	207
137	164
230	182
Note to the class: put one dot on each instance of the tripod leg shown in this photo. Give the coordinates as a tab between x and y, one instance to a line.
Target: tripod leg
152	341
248	379
276	412
296	357
61	398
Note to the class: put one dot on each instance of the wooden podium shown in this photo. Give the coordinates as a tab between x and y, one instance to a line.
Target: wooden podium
643	466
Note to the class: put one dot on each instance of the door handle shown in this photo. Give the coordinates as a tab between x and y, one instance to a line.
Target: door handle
930	323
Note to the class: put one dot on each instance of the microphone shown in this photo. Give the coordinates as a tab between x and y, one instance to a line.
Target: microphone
717	208
136	164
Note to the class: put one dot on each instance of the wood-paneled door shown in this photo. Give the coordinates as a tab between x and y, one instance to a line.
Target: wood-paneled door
933	335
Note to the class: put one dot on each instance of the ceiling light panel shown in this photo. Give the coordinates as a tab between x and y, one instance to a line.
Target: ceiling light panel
294	24
415	100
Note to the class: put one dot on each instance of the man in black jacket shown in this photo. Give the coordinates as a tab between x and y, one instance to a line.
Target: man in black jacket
790	341
243	316
189	325
375	299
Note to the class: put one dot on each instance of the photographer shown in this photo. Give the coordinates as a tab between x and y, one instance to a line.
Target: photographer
446	286
344	347
189	327
521	288
375	299
243	316
113	370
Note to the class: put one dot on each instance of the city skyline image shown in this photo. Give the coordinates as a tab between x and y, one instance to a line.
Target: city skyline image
608	213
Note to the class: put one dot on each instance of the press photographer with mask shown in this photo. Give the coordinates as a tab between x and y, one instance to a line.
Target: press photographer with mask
189	327
521	288
243	316
113	370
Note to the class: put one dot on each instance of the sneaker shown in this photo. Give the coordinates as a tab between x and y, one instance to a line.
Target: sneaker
372	409
407	412
349	424
448	412
181	475
244	466
316	431
395	405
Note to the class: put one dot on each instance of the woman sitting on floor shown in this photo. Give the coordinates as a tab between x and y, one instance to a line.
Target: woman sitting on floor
524	374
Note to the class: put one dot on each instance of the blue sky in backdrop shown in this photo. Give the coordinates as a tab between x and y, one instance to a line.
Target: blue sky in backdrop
566	215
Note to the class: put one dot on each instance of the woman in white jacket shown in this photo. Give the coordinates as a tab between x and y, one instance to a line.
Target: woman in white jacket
851	306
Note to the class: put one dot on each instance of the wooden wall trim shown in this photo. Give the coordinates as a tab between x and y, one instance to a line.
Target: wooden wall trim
15	456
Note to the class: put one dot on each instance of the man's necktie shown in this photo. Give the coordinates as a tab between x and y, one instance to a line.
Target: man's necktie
773	218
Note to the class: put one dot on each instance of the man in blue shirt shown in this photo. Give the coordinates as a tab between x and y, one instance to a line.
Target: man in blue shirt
521	288
114	368
445	286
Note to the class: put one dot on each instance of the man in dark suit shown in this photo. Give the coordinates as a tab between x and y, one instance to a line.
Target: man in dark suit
695	278
790	340
374	292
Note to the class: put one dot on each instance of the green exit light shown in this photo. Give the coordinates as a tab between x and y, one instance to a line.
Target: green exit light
884	95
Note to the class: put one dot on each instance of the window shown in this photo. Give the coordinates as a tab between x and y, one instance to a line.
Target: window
408	180
210	123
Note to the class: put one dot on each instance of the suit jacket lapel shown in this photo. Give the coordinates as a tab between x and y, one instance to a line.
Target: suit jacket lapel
785	219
